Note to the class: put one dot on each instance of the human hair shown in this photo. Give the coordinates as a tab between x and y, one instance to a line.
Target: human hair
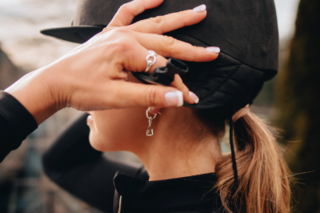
263	183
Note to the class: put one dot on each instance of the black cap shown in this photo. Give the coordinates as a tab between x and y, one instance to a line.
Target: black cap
245	30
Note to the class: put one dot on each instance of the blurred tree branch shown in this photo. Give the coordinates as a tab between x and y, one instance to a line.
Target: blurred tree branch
298	101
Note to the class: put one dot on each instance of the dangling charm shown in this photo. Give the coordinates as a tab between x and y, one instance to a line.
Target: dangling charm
149	130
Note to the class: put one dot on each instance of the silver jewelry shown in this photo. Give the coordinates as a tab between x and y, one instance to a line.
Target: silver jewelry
151	59
149	130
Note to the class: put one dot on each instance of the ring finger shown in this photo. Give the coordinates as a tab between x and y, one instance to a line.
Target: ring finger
138	63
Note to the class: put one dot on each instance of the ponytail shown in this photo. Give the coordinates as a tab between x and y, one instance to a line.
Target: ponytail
263	184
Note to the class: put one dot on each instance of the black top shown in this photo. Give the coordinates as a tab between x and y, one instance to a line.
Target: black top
86	173
16	123
192	194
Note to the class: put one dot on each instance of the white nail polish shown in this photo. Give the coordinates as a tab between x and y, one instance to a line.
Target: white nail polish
174	98
89	119
200	8
213	49
194	97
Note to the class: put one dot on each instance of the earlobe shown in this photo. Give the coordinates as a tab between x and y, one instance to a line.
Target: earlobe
154	110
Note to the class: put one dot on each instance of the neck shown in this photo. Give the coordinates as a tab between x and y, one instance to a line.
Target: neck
173	153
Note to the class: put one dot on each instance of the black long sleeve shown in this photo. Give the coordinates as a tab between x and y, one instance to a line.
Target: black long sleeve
74	165
16	123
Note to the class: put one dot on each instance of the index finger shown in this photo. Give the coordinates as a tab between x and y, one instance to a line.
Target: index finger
128	11
170	22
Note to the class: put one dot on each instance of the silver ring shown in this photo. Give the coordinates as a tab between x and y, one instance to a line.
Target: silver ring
153	56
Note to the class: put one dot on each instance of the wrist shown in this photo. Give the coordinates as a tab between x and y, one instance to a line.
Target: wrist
33	92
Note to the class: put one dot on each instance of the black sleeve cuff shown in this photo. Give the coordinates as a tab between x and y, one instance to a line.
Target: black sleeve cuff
16	123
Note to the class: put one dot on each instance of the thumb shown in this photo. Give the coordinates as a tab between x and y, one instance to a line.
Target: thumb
129	94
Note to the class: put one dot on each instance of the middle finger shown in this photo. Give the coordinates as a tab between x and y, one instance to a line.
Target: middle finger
171	47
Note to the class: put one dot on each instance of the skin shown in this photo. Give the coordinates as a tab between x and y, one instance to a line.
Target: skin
94	75
174	151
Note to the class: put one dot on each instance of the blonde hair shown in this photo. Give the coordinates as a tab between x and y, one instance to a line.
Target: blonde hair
263	184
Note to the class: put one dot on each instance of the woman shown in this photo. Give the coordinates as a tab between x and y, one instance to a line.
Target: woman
185	169
85	79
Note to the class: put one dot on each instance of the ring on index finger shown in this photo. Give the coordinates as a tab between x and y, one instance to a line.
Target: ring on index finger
151	59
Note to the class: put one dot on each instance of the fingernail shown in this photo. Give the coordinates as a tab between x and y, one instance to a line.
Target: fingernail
213	49
194	97
174	98
89	119
200	8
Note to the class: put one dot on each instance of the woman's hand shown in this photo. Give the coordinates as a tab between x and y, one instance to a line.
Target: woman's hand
93	76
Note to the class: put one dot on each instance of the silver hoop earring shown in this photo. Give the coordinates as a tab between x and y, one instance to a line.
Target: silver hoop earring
149	130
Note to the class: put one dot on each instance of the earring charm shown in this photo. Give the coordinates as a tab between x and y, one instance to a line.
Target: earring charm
149	130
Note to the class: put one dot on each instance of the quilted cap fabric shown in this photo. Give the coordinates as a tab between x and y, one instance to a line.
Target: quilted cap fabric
245	30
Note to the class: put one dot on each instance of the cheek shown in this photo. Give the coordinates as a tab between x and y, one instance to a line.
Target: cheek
118	129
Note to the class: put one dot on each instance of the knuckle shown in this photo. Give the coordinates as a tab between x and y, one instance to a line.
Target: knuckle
152	96
170	45
182	14
168	40
157	20
120	31
122	45
125	8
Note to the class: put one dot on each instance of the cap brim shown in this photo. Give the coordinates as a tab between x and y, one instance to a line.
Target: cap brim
78	34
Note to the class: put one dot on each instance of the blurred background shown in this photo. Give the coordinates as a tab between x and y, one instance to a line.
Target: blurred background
290	102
